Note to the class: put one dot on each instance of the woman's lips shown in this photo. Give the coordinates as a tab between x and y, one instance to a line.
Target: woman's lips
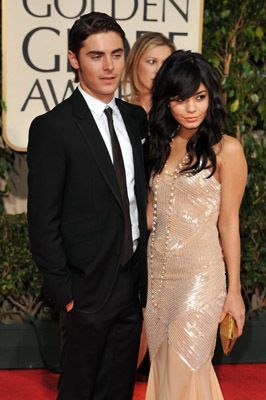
191	119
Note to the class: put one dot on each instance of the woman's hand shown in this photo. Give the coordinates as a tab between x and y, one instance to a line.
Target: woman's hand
234	305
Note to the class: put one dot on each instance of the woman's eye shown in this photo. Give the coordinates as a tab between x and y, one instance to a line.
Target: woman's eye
201	97
151	62
178	100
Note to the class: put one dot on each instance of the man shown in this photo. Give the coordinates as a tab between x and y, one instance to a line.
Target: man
87	219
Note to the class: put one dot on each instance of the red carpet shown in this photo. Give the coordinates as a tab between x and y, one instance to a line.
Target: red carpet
238	382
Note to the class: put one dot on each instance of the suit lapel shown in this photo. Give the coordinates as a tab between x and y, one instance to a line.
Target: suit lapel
90	132
132	129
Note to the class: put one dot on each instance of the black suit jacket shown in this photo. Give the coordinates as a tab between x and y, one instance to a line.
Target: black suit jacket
75	211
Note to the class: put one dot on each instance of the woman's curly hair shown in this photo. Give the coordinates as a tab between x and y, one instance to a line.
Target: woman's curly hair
179	77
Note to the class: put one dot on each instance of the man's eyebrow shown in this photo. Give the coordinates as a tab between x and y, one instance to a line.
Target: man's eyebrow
119	50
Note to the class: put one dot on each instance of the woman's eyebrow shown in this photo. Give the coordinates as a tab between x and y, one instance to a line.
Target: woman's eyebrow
202	91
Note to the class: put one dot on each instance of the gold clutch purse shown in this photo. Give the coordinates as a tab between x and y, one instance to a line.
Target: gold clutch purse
228	333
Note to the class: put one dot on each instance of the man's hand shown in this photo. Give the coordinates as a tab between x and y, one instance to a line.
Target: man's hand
69	306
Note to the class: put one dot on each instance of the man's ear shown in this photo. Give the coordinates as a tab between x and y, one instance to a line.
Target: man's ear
73	59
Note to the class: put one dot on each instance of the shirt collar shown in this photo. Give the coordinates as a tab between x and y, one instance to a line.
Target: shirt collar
96	105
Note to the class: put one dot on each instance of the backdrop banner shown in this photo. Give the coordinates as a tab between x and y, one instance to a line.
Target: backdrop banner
36	72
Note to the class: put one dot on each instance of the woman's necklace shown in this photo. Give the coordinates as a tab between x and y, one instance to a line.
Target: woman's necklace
156	302
178	168
181	164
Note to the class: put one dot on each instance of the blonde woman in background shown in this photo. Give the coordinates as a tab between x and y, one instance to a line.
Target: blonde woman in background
143	62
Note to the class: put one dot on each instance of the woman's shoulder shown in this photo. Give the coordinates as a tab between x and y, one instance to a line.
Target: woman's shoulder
231	152
230	143
228	146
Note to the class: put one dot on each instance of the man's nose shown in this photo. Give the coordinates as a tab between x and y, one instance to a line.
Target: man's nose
108	63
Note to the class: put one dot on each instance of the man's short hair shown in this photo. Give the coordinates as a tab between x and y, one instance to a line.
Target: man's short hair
89	24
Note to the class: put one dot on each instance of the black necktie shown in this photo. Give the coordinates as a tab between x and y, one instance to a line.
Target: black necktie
119	167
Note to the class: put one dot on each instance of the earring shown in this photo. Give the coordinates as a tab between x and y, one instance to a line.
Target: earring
168	105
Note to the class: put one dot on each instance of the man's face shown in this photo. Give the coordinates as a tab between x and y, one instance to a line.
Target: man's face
100	64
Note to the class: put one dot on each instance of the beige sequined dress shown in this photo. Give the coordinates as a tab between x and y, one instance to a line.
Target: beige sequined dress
186	289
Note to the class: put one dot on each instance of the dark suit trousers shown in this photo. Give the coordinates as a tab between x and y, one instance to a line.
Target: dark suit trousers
100	350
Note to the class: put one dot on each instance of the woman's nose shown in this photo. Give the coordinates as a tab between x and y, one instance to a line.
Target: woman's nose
190	106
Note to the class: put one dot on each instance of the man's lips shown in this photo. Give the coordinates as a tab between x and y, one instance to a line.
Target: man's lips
107	78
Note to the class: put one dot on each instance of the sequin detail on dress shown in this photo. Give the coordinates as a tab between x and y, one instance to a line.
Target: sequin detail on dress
185	305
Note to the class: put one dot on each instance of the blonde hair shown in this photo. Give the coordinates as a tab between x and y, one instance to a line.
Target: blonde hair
145	42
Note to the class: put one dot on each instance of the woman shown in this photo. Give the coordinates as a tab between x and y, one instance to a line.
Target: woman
198	176
142	64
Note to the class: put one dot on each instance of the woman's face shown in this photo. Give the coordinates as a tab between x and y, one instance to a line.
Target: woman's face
148	66
190	113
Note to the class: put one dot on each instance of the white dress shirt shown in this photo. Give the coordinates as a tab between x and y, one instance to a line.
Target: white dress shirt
97	108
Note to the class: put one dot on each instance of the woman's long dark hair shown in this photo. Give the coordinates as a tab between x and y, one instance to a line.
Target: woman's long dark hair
179	77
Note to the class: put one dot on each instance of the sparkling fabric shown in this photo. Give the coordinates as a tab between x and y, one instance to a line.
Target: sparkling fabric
191	295
177	381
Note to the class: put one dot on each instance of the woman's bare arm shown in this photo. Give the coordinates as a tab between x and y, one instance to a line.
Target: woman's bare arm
149	210
233	176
